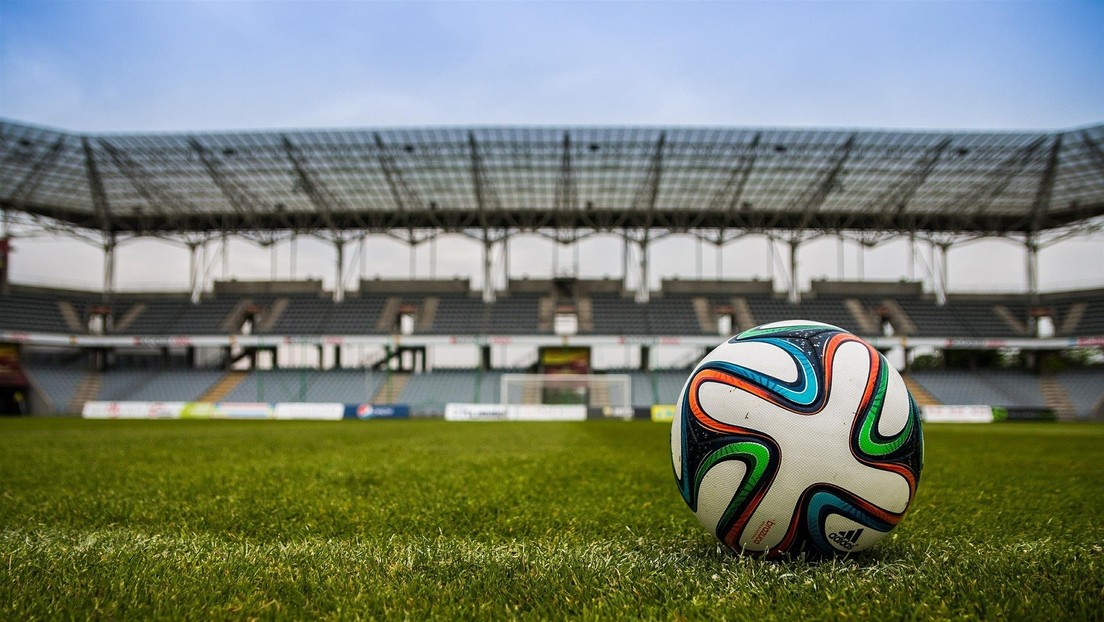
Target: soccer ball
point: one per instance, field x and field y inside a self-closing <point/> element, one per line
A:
<point x="797" y="437"/>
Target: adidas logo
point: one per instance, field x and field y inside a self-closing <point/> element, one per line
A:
<point x="846" y="539"/>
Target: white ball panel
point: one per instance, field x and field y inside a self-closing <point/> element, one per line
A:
<point x="718" y="487"/>
<point x="895" y="410"/>
<point x="734" y="406"/>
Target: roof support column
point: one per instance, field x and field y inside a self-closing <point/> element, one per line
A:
<point x="770" y="260"/>
<point x="625" y="262"/>
<point x="339" y="276"/>
<point x="642" y="293"/>
<point x="488" y="277"/>
<point x="795" y="292"/>
<point x="225" y="248"/>
<point x="193" y="272"/>
<point x="364" y="258"/>
<point x="912" y="256"/>
<point x="109" y="245"/>
<point x="293" y="259"/>
<point x="506" y="258"/>
<point x="1032" y="246"/>
<point x="939" y="259"/>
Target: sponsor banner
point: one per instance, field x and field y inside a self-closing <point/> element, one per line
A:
<point x="244" y="410"/>
<point x="198" y="410"/>
<point x="332" y="411"/>
<point x="546" y="412"/>
<point x="226" y="410"/>
<point x="325" y="411"/>
<point x="132" y="410"/>
<point x="377" y="411"/>
<point x="515" y="412"/>
<point x="475" y="412"/>
<point x="957" y="414"/>
<point x="663" y="413"/>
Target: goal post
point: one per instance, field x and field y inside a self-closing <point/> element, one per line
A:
<point x="605" y="391"/>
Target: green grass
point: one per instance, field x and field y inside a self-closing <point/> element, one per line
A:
<point x="428" y="519"/>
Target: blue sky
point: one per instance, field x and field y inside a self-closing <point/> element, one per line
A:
<point x="148" y="66"/>
<point x="94" y="66"/>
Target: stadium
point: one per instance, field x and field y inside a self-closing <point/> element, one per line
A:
<point x="548" y="311"/>
<point x="226" y="516"/>
<point x="390" y="342"/>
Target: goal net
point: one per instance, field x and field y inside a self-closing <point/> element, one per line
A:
<point x="605" y="391"/>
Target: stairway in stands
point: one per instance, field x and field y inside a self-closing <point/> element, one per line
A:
<point x="599" y="396"/>
<point x="218" y="391"/>
<point x="87" y="390"/>
<point x="71" y="317"/>
<point x="919" y="393"/>
<point x="391" y="389"/>
<point x="531" y="392"/>
<point x="1056" y="398"/>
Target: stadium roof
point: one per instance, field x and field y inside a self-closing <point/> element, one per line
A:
<point x="598" y="179"/>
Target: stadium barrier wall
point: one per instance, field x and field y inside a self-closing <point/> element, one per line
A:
<point x="333" y="411"/>
<point x="984" y="414"/>
<point x="957" y="414"/>
<point x="228" y="410"/>
<point x="515" y="412"/>
<point x="286" y="411"/>
<point x="132" y="410"/>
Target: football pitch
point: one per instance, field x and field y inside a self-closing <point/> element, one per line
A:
<point x="429" y="519"/>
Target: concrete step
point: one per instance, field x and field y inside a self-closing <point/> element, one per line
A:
<point x="218" y="391"/>
<point x="1056" y="398"/>
<point x="706" y="322"/>
<point x="745" y="319"/>
<point x="391" y="389"/>
<point x="919" y="393"/>
<point x="87" y="390"/>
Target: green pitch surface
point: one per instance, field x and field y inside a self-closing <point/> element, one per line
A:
<point x="428" y="519"/>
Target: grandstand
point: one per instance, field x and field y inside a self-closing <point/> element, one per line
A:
<point x="166" y="373"/>
<point x="369" y="343"/>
